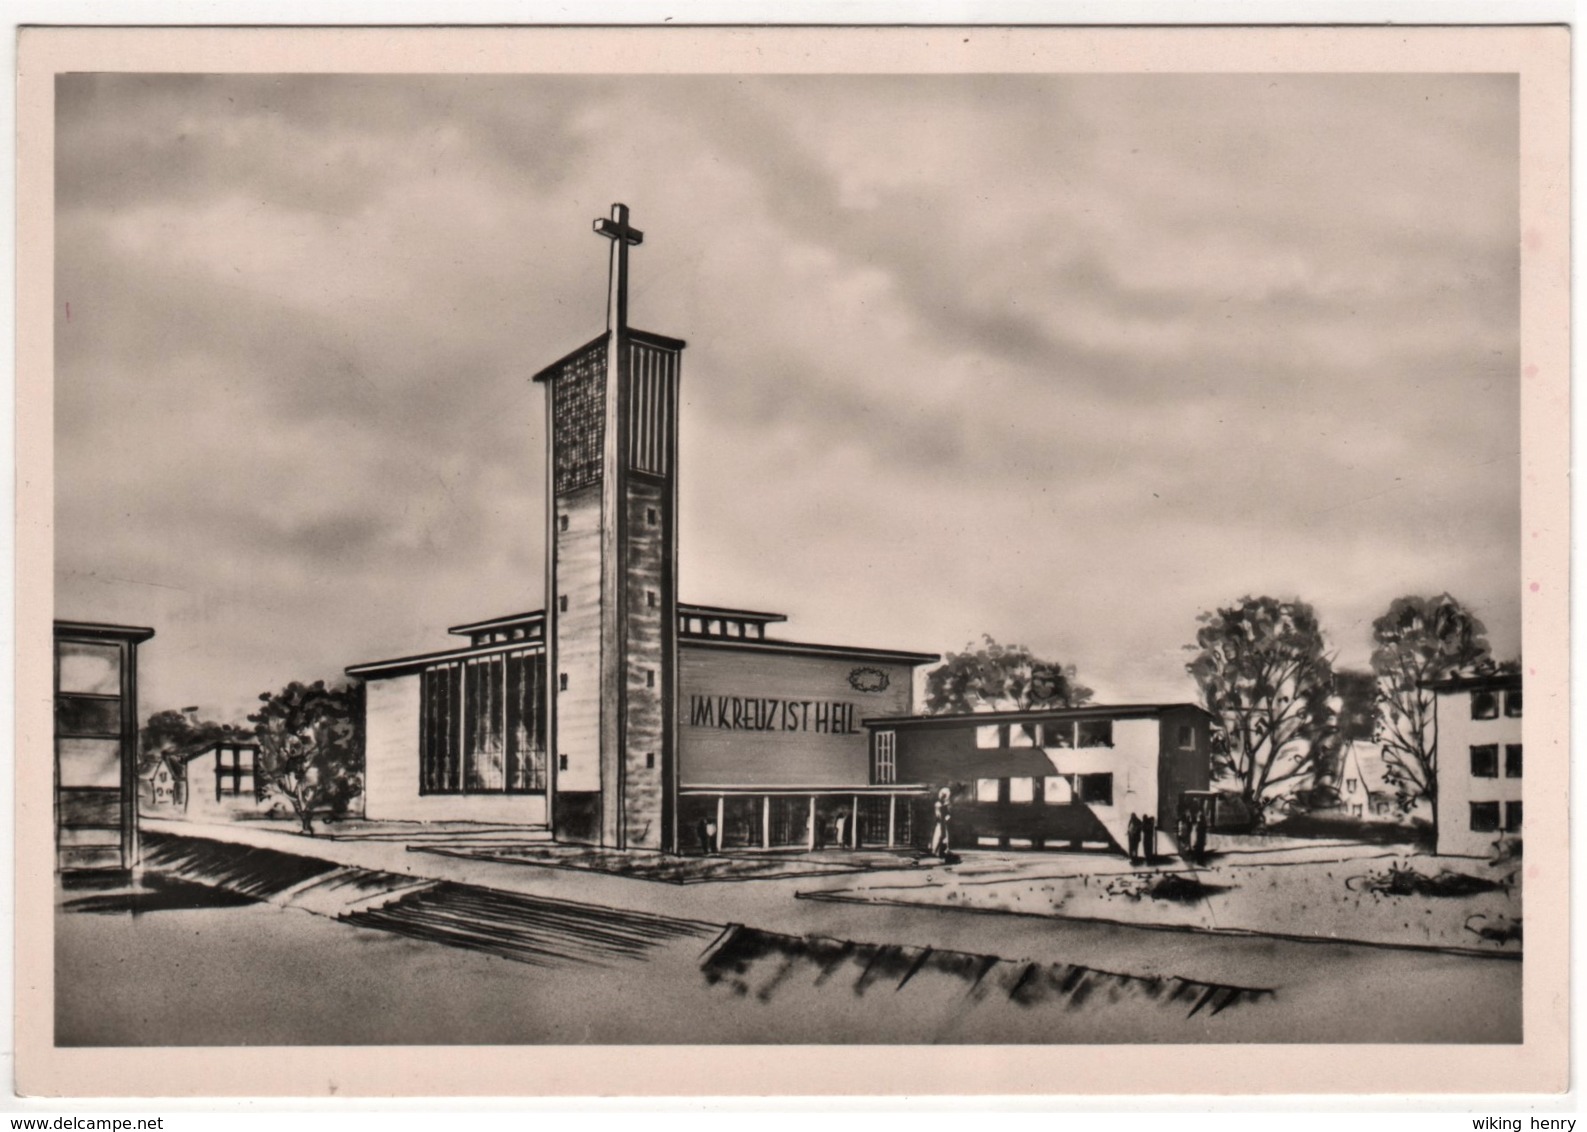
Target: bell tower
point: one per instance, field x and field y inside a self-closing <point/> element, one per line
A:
<point x="611" y="576"/>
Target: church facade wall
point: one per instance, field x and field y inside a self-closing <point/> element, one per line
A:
<point x="392" y="767"/>
<point x="751" y="717"/>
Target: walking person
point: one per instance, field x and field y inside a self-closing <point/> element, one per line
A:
<point x="1149" y="836"/>
<point x="1133" y="830"/>
<point x="1201" y="835"/>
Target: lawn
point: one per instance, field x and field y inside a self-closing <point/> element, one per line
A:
<point x="1396" y="899"/>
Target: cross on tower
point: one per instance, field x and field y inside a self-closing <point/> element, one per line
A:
<point x="621" y="234"/>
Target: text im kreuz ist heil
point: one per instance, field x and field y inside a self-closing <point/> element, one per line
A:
<point x="1514" y="1124"/>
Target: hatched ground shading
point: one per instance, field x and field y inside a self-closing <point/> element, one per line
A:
<point x="766" y="966"/>
<point x="528" y="929"/>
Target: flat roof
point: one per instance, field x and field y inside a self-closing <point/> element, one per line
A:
<point x="721" y="611"/>
<point x="805" y="648"/>
<point x="1472" y="682"/>
<point x="981" y="718"/>
<point x="499" y="622"/>
<point x="103" y="630"/>
<point x="684" y="610"/>
<point x="401" y="665"/>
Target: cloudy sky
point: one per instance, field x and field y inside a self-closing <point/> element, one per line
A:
<point x="1063" y="360"/>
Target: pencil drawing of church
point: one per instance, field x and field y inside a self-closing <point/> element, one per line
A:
<point x="652" y="789"/>
<point x="618" y="715"/>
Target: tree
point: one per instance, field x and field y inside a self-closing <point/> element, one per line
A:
<point x="180" y="733"/>
<point x="998" y="677"/>
<point x="1419" y="639"/>
<point x="1358" y="704"/>
<point x="311" y="747"/>
<point x="1266" y="680"/>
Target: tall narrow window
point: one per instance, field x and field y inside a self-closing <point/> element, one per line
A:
<point x="562" y="522"/>
<point x="885" y="760"/>
<point x="481" y="728"/>
<point x="562" y="603"/>
<point x="1512" y="760"/>
<point x="1512" y="703"/>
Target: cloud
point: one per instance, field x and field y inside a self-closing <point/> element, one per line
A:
<point x="1061" y="358"/>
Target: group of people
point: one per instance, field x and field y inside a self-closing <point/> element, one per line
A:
<point x="1190" y="831"/>
<point x="1142" y="833"/>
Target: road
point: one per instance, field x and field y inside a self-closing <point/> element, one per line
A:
<point x="190" y="966"/>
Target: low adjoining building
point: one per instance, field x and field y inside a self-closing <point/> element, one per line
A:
<point x="220" y="782"/>
<point x="1061" y="778"/>
<point x="158" y="785"/>
<point x="1479" y="762"/>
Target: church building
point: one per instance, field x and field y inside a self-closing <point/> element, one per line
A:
<point x="618" y="715"/>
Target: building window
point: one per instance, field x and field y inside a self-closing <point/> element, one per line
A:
<point x="562" y="603"/>
<point x="650" y="678"/>
<point x="989" y="736"/>
<point x="562" y="681"/>
<point x="987" y="789"/>
<point x="650" y="598"/>
<point x="1186" y="737"/>
<point x="1350" y="786"/>
<point x="1484" y="817"/>
<point x="884" y="758"/>
<point x="233" y="773"/>
<point x="1485" y="761"/>
<point x="1512" y="760"/>
<point x="481" y="726"/>
<point x="1484" y="705"/>
<point x="1512" y="703"/>
<point x="562" y="522"/>
<point x="650" y="515"/>
<point x="650" y="760"/>
<point x="1095" y="733"/>
<point x="1058" y="734"/>
<point x="1022" y="734"/>
<point x="562" y="762"/>
<point x="1022" y="790"/>
<point x="1512" y="817"/>
<point x="1094" y="789"/>
<point x="1057" y="790"/>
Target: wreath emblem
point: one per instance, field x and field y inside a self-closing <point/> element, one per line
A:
<point x="868" y="680"/>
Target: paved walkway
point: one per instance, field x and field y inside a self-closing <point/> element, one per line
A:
<point x="774" y="904"/>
